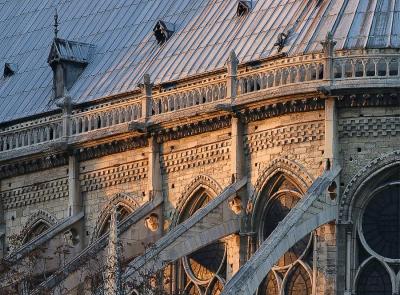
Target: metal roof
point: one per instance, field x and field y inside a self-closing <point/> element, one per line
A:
<point x="205" y="32"/>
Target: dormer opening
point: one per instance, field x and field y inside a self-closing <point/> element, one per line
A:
<point x="243" y="7"/>
<point x="9" y="70"/>
<point x="68" y="59"/>
<point x="163" y="31"/>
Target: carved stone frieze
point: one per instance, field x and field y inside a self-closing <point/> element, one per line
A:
<point x="193" y="128"/>
<point x="369" y="99"/>
<point x="35" y="193"/>
<point x="289" y="134"/>
<point x="366" y="127"/>
<point x="277" y="109"/>
<point x="198" y="156"/>
<point x="110" y="176"/>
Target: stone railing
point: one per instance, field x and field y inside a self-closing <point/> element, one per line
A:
<point x="86" y="121"/>
<point x="313" y="70"/>
<point x="366" y="66"/>
<point x="281" y="72"/>
<point x="177" y="99"/>
<point x="31" y="133"/>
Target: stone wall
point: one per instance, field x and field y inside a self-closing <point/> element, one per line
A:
<point x="24" y="195"/>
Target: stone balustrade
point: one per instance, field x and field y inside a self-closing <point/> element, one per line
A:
<point x="175" y="100"/>
<point x="282" y="72"/>
<point x="363" y="66"/>
<point x="104" y="117"/>
<point x="251" y="77"/>
<point x="30" y="133"/>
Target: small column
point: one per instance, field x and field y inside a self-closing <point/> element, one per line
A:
<point x="328" y="48"/>
<point x="231" y="82"/>
<point x="66" y="106"/>
<point x="147" y="89"/>
<point x="237" y="150"/>
<point x="154" y="186"/>
<point x="112" y="281"/>
<point x="348" y="260"/>
<point x="74" y="194"/>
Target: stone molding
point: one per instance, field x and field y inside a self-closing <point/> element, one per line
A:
<point x="363" y="177"/>
<point x="194" y="128"/>
<point x="369" y="99"/>
<point x="200" y="181"/>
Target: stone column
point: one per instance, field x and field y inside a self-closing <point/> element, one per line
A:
<point x="237" y="150"/>
<point x="331" y="151"/>
<point x="147" y="88"/>
<point x="233" y="253"/>
<point x="74" y="194"/>
<point x="328" y="47"/>
<point x="349" y="247"/>
<point x="231" y="82"/>
<point x="238" y="244"/>
<point x="66" y="106"/>
<point x="325" y="260"/>
<point x="154" y="184"/>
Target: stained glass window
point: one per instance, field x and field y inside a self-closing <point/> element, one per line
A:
<point x="278" y="208"/>
<point x="299" y="282"/>
<point x="203" y="268"/>
<point x="381" y="222"/>
<point x="374" y="280"/>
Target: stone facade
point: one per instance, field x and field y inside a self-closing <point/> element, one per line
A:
<point x="256" y="178"/>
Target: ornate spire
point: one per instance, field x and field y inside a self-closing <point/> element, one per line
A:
<point x="55" y="24"/>
<point x="112" y="277"/>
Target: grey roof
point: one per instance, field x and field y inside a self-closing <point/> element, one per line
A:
<point x="205" y="32"/>
<point x="70" y="50"/>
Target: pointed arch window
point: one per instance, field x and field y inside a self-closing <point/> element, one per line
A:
<point x="289" y="276"/>
<point x="39" y="227"/>
<point x="374" y="279"/>
<point x="203" y="271"/>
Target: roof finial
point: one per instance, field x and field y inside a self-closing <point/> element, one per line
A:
<point x="55" y="24"/>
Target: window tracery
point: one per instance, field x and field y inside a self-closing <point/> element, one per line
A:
<point x="289" y="275"/>
<point x="203" y="272"/>
<point x="378" y="241"/>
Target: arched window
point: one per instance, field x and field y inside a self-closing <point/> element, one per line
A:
<point x="125" y="205"/>
<point x="36" y="229"/>
<point x="374" y="280"/>
<point x="122" y="213"/>
<point x="280" y="195"/>
<point x="298" y="282"/>
<point x="378" y="240"/>
<point x="203" y="272"/>
<point x="381" y="223"/>
<point x="38" y="222"/>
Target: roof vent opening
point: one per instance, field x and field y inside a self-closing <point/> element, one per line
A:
<point x="243" y="7"/>
<point x="163" y="31"/>
<point x="9" y="69"/>
<point x="281" y="41"/>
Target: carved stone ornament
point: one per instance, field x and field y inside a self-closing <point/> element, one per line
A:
<point x="152" y="222"/>
<point x="236" y="205"/>
<point x="71" y="237"/>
